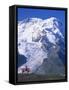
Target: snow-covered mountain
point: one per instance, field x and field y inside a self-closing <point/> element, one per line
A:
<point x="37" y="39"/>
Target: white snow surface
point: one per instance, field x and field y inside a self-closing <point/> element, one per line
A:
<point x="30" y="33"/>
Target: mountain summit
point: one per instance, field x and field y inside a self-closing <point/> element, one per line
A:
<point x="42" y="43"/>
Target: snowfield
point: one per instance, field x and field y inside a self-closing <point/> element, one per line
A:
<point x="34" y="35"/>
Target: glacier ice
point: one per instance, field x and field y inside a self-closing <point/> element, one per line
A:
<point x="30" y="35"/>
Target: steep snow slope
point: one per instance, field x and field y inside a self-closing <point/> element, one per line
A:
<point x="35" y="38"/>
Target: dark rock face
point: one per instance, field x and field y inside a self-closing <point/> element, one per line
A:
<point x="52" y="66"/>
<point x="21" y="60"/>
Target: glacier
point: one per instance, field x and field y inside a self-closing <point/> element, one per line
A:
<point x="36" y="37"/>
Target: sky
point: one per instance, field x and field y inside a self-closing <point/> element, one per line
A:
<point x="24" y="13"/>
